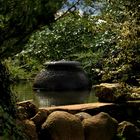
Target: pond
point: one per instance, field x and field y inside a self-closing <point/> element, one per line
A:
<point x="24" y="92"/>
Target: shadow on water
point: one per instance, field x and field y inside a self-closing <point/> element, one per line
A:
<point x="24" y="92"/>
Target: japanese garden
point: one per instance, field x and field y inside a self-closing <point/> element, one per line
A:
<point x="100" y="40"/>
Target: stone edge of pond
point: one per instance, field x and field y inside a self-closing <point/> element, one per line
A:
<point x="120" y="111"/>
<point x="77" y="107"/>
<point x="35" y="120"/>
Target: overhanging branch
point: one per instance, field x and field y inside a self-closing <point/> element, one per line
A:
<point x="69" y="10"/>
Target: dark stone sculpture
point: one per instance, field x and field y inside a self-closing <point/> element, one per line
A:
<point x="61" y="76"/>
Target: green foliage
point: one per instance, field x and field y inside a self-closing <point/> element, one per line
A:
<point x="68" y="36"/>
<point x="7" y="99"/>
<point x="9" y="128"/>
<point x="119" y="137"/>
<point x="107" y="43"/>
<point x="123" y="61"/>
<point x="22" y="68"/>
<point x="19" y="18"/>
<point x="73" y="37"/>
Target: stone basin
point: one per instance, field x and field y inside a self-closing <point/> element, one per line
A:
<point x="62" y="76"/>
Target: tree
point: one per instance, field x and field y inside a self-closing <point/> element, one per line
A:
<point x="73" y="37"/>
<point x="18" y="20"/>
<point x="123" y="60"/>
<point x="110" y="31"/>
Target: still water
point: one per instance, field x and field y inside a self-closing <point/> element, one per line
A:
<point x="24" y="92"/>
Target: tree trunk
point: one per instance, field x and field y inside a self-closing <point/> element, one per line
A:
<point x="7" y="98"/>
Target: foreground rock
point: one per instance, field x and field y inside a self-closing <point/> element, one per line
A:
<point x="28" y="129"/>
<point x="129" y="131"/>
<point x="92" y="121"/>
<point x="40" y="118"/>
<point x="83" y="115"/>
<point x="135" y="93"/>
<point x="26" y="109"/>
<point x="61" y="125"/>
<point x="100" y="127"/>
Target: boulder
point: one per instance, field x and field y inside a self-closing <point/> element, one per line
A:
<point x="22" y="113"/>
<point x="111" y="92"/>
<point x="61" y="125"/>
<point x="129" y="131"/>
<point x="40" y="117"/>
<point x="28" y="129"/>
<point x="135" y="93"/>
<point x="100" y="127"/>
<point x="26" y="110"/>
<point x="82" y="115"/>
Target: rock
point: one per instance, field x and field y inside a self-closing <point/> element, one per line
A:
<point x="111" y="92"/>
<point x="129" y="131"/>
<point x="61" y="125"/>
<point x="135" y="93"/>
<point x="83" y="115"/>
<point x="40" y="117"/>
<point x="28" y="129"/>
<point x="136" y="90"/>
<point x="26" y="109"/>
<point x="22" y="113"/>
<point x="100" y="127"/>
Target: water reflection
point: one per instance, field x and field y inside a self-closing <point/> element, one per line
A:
<point x="41" y="99"/>
<point x="61" y="98"/>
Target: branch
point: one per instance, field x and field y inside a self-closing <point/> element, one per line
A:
<point x="69" y="10"/>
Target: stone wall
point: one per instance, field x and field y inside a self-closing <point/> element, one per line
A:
<point x="93" y="121"/>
